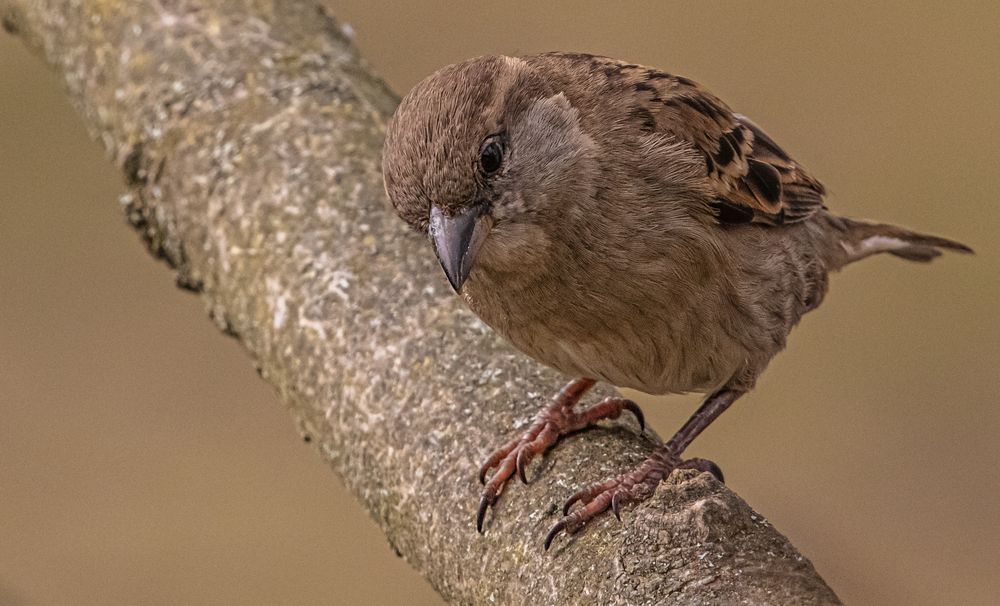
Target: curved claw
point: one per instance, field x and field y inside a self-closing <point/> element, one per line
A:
<point x="559" y="527"/>
<point x="633" y="408"/>
<point x="716" y="471"/>
<point x="616" y="505"/>
<point x="484" y="504"/>
<point x="578" y="496"/>
<point x="522" y="462"/>
<point x="703" y="465"/>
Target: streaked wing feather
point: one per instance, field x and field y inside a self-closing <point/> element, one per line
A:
<point x="744" y="166"/>
<point x="753" y="178"/>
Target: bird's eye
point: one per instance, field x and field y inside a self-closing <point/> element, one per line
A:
<point x="491" y="157"/>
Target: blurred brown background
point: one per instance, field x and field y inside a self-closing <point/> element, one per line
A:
<point x="142" y="461"/>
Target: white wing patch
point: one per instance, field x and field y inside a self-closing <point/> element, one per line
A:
<point x="874" y="244"/>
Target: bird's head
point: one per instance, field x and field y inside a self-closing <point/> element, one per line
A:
<point x="483" y="156"/>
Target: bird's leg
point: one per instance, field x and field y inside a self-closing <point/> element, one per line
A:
<point x="555" y="420"/>
<point x="640" y="483"/>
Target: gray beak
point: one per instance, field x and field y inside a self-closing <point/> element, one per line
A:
<point x="457" y="240"/>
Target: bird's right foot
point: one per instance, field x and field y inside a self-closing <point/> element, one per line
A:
<point x="631" y="487"/>
<point x="554" y="421"/>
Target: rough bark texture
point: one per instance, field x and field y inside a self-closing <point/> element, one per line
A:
<point x="249" y="132"/>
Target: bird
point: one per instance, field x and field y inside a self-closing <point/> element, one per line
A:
<point x="620" y="224"/>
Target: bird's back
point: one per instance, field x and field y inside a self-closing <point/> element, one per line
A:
<point x="749" y="177"/>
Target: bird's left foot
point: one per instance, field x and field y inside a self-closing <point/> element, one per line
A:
<point x="554" y="421"/>
<point x="632" y="487"/>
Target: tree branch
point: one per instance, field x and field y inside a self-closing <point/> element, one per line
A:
<point x="249" y="132"/>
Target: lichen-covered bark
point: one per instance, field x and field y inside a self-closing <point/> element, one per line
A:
<point x="249" y="132"/>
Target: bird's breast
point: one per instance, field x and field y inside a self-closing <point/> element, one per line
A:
<point x="653" y="341"/>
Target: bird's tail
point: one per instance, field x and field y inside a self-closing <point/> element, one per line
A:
<point x="860" y="239"/>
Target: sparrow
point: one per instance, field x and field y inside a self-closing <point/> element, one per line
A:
<point x="619" y="224"/>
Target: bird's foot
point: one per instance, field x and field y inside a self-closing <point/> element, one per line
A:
<point x="632" y="487"/>
<point x="552" y="422"/>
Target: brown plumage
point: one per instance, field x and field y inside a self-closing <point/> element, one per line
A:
<point x="620" y="224"/>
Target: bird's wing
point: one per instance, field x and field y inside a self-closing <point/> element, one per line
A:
<point x="753" y="179"/>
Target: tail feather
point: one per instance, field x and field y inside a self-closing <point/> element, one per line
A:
<point x="862" y="239"/>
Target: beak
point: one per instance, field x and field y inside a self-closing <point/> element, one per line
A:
<point x="457" y="240"/>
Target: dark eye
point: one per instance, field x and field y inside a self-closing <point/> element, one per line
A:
<point x="491" y="157"/>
